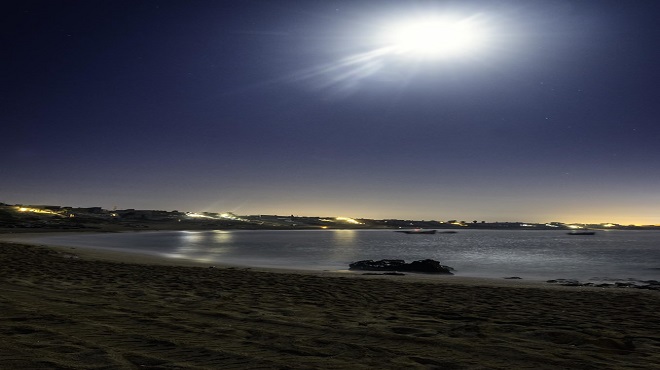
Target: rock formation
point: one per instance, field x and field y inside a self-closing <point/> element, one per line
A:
<point x="428" y="266"/>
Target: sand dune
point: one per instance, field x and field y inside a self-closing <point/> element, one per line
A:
<point x="59" y="311"/>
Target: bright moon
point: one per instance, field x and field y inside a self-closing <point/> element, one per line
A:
<point x="434" y="37"/>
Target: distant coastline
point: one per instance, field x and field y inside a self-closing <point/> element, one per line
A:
<point x="19" y="218"/>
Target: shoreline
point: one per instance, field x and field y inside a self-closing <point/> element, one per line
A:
<point x="144" y="258"/>
<point x="101" y="254"/>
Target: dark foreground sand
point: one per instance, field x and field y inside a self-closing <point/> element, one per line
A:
<point x="58" y="311"/>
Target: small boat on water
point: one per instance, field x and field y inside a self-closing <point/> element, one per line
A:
<point x="581" y="232"/>
<point x="416" y="231"/>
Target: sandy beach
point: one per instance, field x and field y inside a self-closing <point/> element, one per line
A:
<point x="69" y="309"/>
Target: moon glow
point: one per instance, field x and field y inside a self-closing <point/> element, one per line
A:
<point x="434" y="37"/>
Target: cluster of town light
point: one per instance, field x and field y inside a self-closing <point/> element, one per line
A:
<point x="198" y="215"/>
<point x="36" y="210"/>
<point x="349" y="220"/>
<point x="222" y="216"/>
<point x="231" y="216"/>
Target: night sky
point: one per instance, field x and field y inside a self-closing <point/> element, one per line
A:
<point x="293" y="107"/>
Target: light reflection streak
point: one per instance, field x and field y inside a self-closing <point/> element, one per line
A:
<point x="222" y="236"/>
<point x="202" y="246"/>
<point x="344" y="243"/>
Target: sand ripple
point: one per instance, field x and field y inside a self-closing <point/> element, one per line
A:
<point x="58" y="312"/>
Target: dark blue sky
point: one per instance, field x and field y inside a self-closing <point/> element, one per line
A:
<point x="272" y="107"/>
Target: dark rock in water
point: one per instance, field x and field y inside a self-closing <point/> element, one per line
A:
<point x="513" y="278"/>
<point x="624" y="285"/>
<point x="650" y="287"/>
<point x="629" y="284"/>
<point x="565" y="282"/>
<point x="382" y="265"/>
<point x="428" y="266"/>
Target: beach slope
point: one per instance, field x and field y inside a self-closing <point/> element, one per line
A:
<point x="61" y="311"/>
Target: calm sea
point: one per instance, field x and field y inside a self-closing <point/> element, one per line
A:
<point x="536" y="255"/>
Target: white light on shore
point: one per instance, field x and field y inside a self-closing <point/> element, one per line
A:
<point x="349" y="220"/>
<point x="36" y="210"/>
<point x="197" y="215"/>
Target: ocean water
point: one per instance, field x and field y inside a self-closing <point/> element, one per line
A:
<point x="535" y="255"/>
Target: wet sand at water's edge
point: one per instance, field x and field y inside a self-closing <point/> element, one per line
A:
<point x="66" y="309"/>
